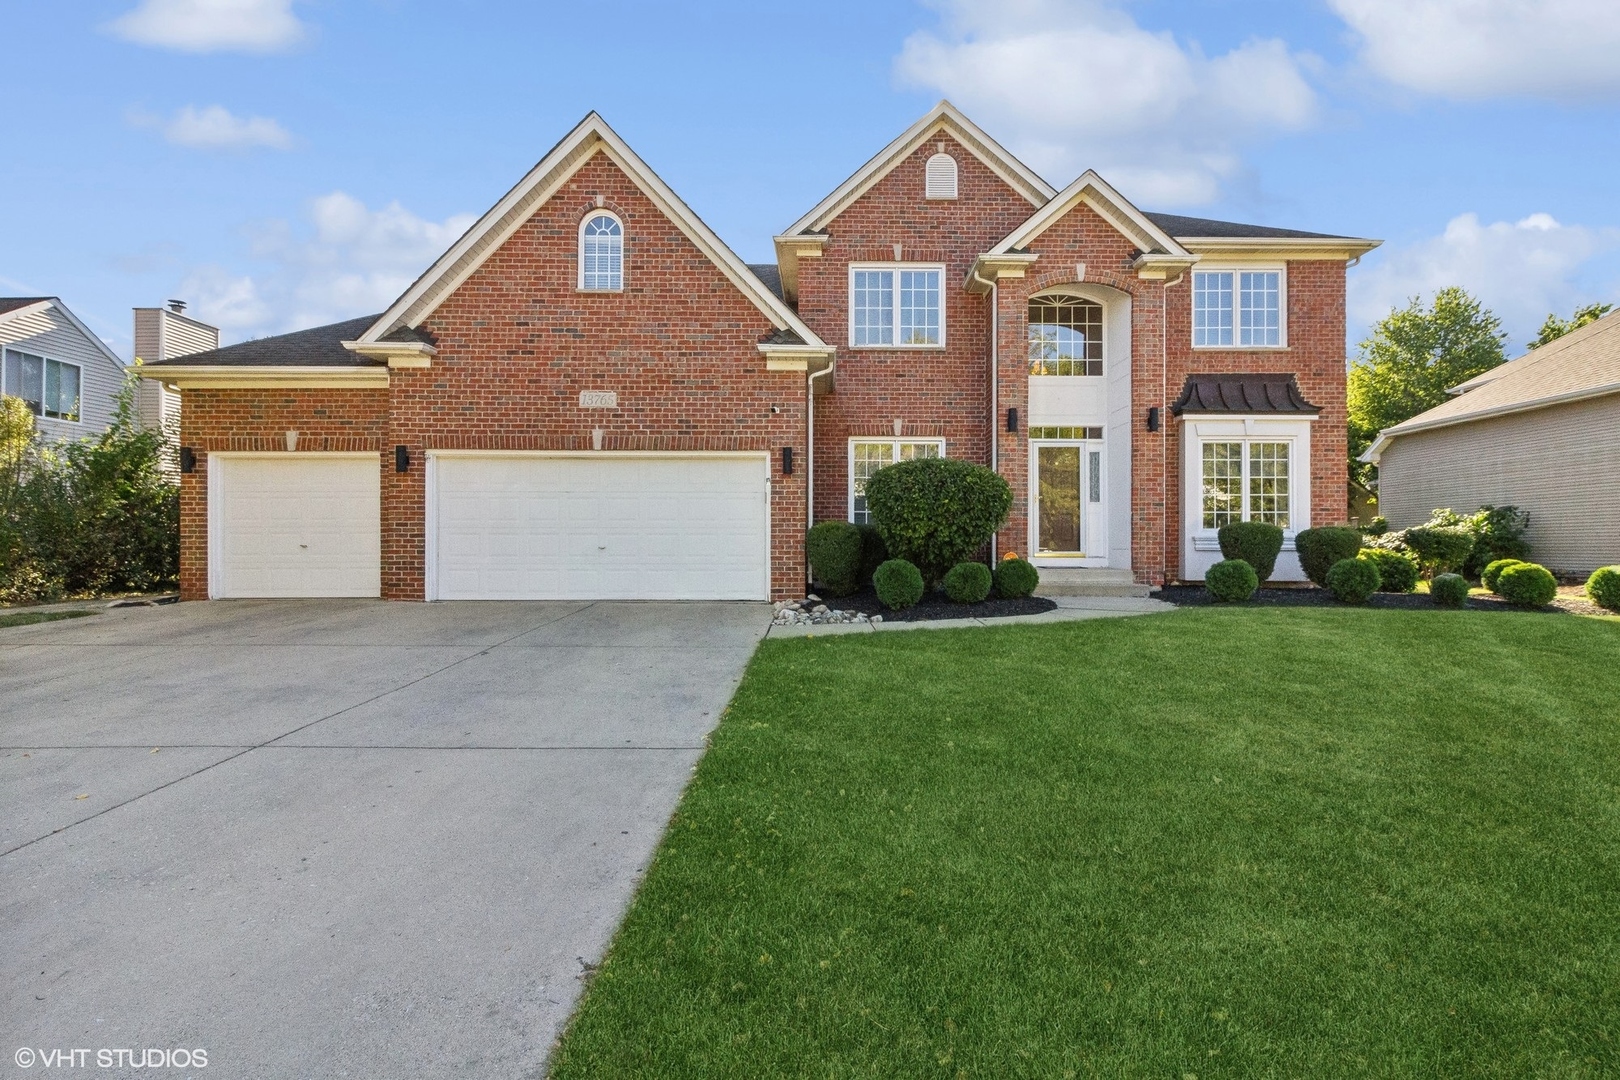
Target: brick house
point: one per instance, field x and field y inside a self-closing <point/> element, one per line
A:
<point x="591" y="396"/>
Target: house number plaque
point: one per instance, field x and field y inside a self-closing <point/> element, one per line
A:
<point x="599" y="399"/>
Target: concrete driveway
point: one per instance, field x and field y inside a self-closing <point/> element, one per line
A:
<point x="337" y="838"/>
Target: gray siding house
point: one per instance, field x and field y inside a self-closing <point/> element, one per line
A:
<point x="163" y="334"/>
<point x="1541" y="432"/>
<point x="66" y="374"/>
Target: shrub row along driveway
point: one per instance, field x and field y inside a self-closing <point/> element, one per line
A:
<point x="375" y="839"/>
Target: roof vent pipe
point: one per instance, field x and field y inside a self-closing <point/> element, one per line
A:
<point x="177" y="306"/>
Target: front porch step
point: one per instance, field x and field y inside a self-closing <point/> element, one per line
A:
<point x="1056" y="581"/>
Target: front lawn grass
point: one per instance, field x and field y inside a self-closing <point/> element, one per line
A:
<point x="1213" y="843"/>
<point x="29" y="618"/>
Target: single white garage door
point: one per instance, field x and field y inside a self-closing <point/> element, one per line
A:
<point x="600" y="527"/>
<point x="295" y="525"/>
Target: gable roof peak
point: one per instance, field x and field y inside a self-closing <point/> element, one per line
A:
<point x="1089" y="187"/>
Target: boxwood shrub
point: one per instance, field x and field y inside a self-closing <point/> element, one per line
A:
<point x="899" y="584"/>
<point x="1255" y="542"/>
<point x="937" y="512"/>
<point x="1396" y="572"/>
<point x="1231" y="580"/>
<point x="1441" y="549"/>
<point x="874" y="552"/>
<point x="968" y="582"/>
<point x="1016" y="578"/>
<point x="1603" y="587"/>
<point x="1449" y="590"/>
<point x="834" y="548"/>
<point x="1320" y="549"/>
<point x="1493" y="570"/>
<point x="1528" y="585"/>
<point x="1353" y="580"/>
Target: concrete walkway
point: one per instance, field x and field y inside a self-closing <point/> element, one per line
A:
<point x="338" y="838"/>
<point x="1069" y="609"/>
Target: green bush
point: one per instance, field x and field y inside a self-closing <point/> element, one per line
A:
<point x="1016" y="578"/>
<point x="1603" y="587"/>
<point x="937" y="512"/>
<point x="899" y="584"/>
<point x="1231" y="580"/>
<point x="1449" y="590"/>
<point x="1441" y="549"/>
<point x="1397" y="573"/>
<point x="1527" y="585"/>
<point x="1255" y="542"/>
<point x="1320" y="549"/>
<point x="968" y="582"/>
<point x="1493" y="570"/>
<point x="834" y="548"/>
<point x="874" y="552"/>
<point x="1353" y="580"/>
<point x="1378" y="526"/>
<point x="1498" y="534"/>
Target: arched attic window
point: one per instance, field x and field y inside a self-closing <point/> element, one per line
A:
<point x="1065" y="336"/>
<point x="939" y="177"/>
<point x="601" y="252"/>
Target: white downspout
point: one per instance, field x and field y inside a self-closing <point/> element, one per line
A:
<point x="995" y="406"/>
<point x="1164" y="422"/>
<point x="810" y="454"/>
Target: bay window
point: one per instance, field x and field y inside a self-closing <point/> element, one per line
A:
<point x="1247" y="480"/>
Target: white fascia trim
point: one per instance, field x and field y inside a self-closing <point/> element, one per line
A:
<point x="783" y="357"/>
<point x="592" y="135"/>
<point x="397" y="354"/>
<point x="995" y="157"/>
<point x="1389" y="435"/>
<point x="85" y="331"/>
<point x="1114" y="208"/>
<point x="1347" y="249"/>
<point x="233" y="377"/>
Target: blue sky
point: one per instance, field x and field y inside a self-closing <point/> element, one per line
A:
<point x="282" y="163"/>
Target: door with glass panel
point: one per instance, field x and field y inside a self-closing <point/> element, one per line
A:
<point x="1067" y="481"/>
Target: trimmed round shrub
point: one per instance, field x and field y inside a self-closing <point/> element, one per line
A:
<point x="1493" y="570"/>
<point x="1353" y="580"/>
<point x="1255" y="542"/>
<point x="1231" y="580"/>
<point x="1449" y="590"/>
<point x="1527" y="585"/>
<point x="1603" y="587"/>
<point x="1016" y="578"/>
<point x="874" y="552"/>
<point x="834" y="548"/>
<point x="968" y="582"/>
<point x="1441" y="549"/>
<point x="937" y="512"/>
<point x="1396" y="572"/>
<point x="1321" y="549"/>
<point x="899" y="584"/>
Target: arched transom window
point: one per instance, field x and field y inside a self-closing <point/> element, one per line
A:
<point x="601" y="253"/>
<point x="1065" y="336"/>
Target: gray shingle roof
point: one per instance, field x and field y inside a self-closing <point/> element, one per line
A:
<point x="12" y="303"/>
<point x="321" y="346"/>
<point x="1246" y="393"/>
<point x="771" y="275"/>
<point x="1179" y="227"/>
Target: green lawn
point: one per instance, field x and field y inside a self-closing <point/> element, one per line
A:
<point x="1213" y="843"/>
<point x="29" y="618"/>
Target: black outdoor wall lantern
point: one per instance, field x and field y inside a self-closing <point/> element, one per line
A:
<point x="188" y="459"/>
<point x="1012" y="419"/>
<point x="787" y="461"/>
<point x="402" y="458"/>
<point x="1153" y="418"/>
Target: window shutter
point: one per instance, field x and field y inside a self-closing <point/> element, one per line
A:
<point x="940" y="182"/>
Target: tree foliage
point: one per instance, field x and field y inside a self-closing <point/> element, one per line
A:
<point x="1555" y="328"/>
<point x="1414" y="355"/>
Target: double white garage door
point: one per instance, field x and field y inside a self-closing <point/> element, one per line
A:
<point x="499" y="526"/>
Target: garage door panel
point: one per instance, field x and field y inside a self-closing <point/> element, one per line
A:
<point x="298" y="526"/>
<point x="601" y="528"/>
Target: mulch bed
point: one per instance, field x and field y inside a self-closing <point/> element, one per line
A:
<point x="937" y="605"/>
<point x="1570" y="601"/>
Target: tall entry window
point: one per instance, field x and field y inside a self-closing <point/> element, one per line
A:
<point x="1065" y="336"/>
<point x="867" y="456"/>
<point x="1247" y="480"/>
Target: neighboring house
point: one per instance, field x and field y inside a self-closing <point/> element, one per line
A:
<point x="163" y="334"/>
<point x="590" y="396"/>
<point x="1541" y="432"/>
<point x="67" y="375"/>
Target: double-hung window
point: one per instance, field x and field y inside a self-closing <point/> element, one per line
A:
<point x="896" y="306"/>
<point x="867" y="456"/>
<point x="1247" y="480"/>
<point x="50" y="388"/>
<point x="1238" y="309"/>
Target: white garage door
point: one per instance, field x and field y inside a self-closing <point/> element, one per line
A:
<point x="600" y="527"/>
<point x="295" y="525"/>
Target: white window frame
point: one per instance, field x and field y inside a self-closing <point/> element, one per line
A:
<point x="894" y="446"/>
<point x="1244" y="494"/>
<point x="580" y="250"/>
<point x="896" y="268"/>
<point x="1236" y="270"/>
<point x="45" y="361"/>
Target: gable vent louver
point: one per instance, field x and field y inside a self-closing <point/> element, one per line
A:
<point x="940" y="177"/>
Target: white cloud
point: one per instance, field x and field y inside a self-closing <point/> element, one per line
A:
<point x="201" y="26"/>
<point x="1476" y="49"/>
<point x="346" y="260"/>
<point x="1076" y="84"/>
<point x="1520" y="270"/>
<point x="217" y="128"/>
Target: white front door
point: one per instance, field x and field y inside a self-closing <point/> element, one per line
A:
<point x="287" y="525"/>
<point x="1068" y="522"/>
<point x="607" y="526"/>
